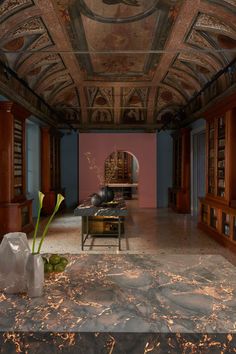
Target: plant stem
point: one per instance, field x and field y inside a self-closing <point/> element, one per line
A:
<point x="36" y="229"/>
<point x="45" y="231"/>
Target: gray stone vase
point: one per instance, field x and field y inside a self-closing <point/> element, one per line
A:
<point x="35" y="275"/>
<point x="14" y="252"/>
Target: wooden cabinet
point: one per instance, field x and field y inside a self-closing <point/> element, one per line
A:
<point x="217" y="213"/>
<point x="50" y="168"/>
<point x="118" y="168"/>
<point x="219" y="221"/>
<point x="221" y="147"/>
<point x="179" y="194"/>
<point x="15" y="209"/>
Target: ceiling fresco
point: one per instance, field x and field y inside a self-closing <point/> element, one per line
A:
<point x="114" y="64"/>
<point x="94" y="26"/>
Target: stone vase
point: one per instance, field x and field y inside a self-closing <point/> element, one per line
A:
<point x="14" y="252"/>
<point x="35" y="275"/>
<point x="96" y="200"/>
<point x="106" y="194"/>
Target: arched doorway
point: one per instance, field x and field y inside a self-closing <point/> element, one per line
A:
<point x="121" y="172"/>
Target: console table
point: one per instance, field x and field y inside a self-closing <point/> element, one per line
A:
<point x="116" y="211"/>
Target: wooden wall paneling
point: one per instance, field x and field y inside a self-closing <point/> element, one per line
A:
<point x="179" y="194"/>
<point x="50" y="168"/>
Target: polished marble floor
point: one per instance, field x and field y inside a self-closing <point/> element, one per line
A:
<point x="147" y="231"/>
<point x="126" y="304"/>
<point x="171" y="289"/>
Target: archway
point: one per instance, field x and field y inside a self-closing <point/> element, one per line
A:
<point x="121" y="173"/>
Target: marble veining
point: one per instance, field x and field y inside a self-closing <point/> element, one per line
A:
<point x="86" y="209"/>
<point x="130" y="293"/>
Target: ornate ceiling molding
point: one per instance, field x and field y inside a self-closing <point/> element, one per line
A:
<point x="188" y="82"/>
<point x="197" y="39"/>
<point x="61" y="87"/>
<point x="225" y="4"/>
<point x="210" y="23"/>
<point x="37" y="60"/>
<point x="208" y="63"/>
<point x="28" y="27"/>
<point x="8" y="7"/>
<point x="52" y="80"/>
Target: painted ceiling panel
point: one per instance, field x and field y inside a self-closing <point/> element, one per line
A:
<point x="127" y="36"/>
<point x="117" y="27"/>
<point x="117" y="63"/>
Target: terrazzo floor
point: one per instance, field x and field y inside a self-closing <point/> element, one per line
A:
<point x="147" y="231"/>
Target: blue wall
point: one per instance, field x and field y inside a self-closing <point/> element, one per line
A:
<point x="200" y="123"/>
<point x="69" y="167"/>
<point x="164" y="167"/>
<point x="33" y="163"/>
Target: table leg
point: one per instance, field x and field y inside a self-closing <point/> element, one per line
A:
<point x="119" y="233"/>
<point x="82" y="233"/>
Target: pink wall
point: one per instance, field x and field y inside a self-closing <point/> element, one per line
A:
<point x="101" y="145"/>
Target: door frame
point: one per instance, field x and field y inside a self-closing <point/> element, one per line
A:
<point x="193" y="133"/>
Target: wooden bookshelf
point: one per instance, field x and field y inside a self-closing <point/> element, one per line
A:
<point x="15" y="209"/>
<point x="118" y="168"/>
<point x="219" y="221"/>
<point x="179" y="194"/>
<point x="217" y="211"/>
<point x="221" y="148"/>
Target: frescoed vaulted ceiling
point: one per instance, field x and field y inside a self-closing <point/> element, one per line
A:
<point x="117" y="64"/>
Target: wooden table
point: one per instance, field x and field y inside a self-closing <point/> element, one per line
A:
<point x="117" y="210"/>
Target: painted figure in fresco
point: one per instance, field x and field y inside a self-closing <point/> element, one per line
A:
<point x="126" y="2"/>
<point x="101" y="116"/>
<point x="133" y="115"/>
